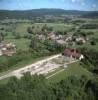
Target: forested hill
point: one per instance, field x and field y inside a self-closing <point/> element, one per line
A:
<point x="92" y="14"/>
<point x="38" y="12"/>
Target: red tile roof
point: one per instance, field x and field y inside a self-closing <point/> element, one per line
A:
<point x="72" y="53"/>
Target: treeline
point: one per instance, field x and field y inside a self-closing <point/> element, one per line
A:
<point x="92" y="14"/>
<point x="38" y="88"/>
<point x="91" y="59"/>
<point x="29" y="14"/>
<point x="89" y="26"/>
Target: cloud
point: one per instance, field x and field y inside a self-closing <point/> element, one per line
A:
<point x="94" y="7"/>
<point x="81" y="2"/>
<point x="73" y="1"/>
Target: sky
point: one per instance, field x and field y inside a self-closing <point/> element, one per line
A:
<point x="88" y="5"/>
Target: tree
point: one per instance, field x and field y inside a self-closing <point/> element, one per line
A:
<point x="38" y="88"/>
<point x="50" y="29"/>
<point x="33" y="27"/>
<point x="44" y="28"/>
<point x="93" y="43"/>
<point x="28" y="36"/>
<point x="33" y="43"/>
<point x="1" y="36"/>
<point x="17" y="36"/>
<point x="29" y="30"/>
<point x="90" y="33"/>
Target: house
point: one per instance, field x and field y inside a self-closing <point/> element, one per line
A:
<point x="80" y="39"/>
<point x="69" y="38"/>
<point x="7" y="49"/>
<point x="59" y="37"/>
<point x="62" y="42"/>
<point x="73" y="54"/>
<point x="8" y="52"/>
<point x="52" y="35"/>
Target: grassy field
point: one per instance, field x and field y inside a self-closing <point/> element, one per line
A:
<point x="73" y="70"/>
<point x="56" y="27"/>
<point x="21" y="44"/>
<point x="4" y="81"/>
<point x="21" y="28"/>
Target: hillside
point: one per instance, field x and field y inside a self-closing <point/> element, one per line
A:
<point x="93" y="14"/>
<point x="18" y="14"/>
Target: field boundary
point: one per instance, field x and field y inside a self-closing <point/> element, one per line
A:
<point x="55" y="73"/>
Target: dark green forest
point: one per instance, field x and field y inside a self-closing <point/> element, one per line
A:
<point x="38" y="88"/>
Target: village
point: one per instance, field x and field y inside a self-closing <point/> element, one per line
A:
<point x="48" y="65"/>
<point x="48" y="50"/>
<point x="51" y="64"/>
<point x="65" y="39"/>
<point x="67" y="56"/>
<point x="9" y="49"/>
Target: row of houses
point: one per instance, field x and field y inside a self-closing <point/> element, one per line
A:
<point x="65" y="39"/>
<point x="7" y="49"/>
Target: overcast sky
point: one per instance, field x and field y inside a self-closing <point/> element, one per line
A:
<point x="63" y="4"/>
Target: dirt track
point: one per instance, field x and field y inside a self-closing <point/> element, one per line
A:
<point x="36" y="68"/>
<point x="17" y="72"/>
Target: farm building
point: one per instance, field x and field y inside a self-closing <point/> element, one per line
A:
<point x="73" y="54"/>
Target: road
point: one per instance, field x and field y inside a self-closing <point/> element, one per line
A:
<point x="35" y="68"/>
<point x="16" y="72"/>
